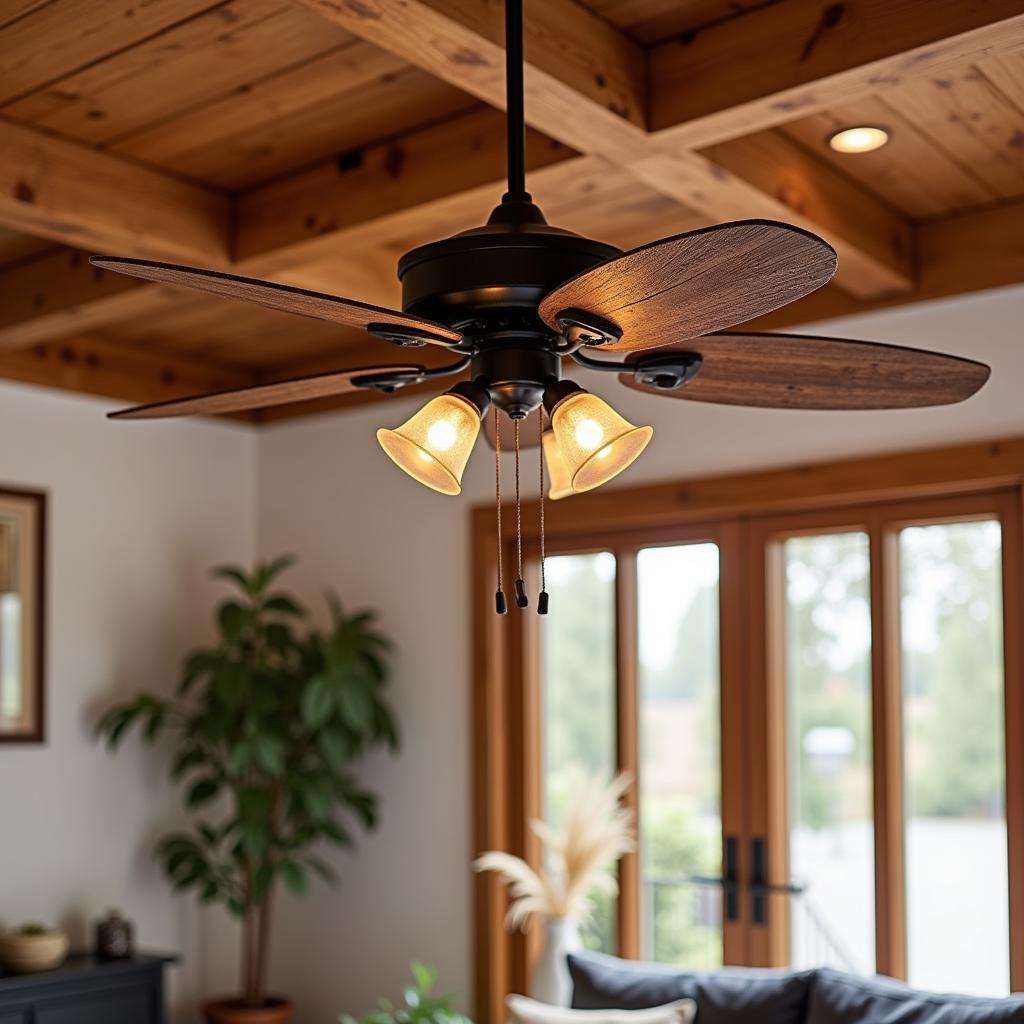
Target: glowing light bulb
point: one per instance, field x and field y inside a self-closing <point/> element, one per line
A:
<point x="441" y="435"/>
<point x="589" y="433"/>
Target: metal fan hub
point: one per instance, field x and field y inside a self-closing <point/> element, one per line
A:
<point x="468" y="281"/>
<point x="517" y="367"/>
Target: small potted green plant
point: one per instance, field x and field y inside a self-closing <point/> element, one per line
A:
<point x="268" y="726"/>
<point x="419" y="1005"/>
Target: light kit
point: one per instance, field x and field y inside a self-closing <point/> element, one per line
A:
<point x="516" y="298"/>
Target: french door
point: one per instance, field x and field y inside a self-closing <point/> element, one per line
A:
<point x="883" y="780"/>
<point x="822" y="713"/>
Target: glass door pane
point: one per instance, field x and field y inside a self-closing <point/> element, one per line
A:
<point x="578" y="695"/>
<point x="827" y="657"/>
<point x="679" y="754"/>
<point x="954" y="777"/>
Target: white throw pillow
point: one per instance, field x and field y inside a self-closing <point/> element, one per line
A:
<point x="528" y="1011"/>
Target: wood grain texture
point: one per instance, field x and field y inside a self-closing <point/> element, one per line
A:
<point x="780" y="371"/>
<point x="692" y="284"/>
<point x="258" y="396"/>
<point x="915" y="172"/>
<point x="585" y="81"/>
<point x="93" y="365"/>
<point x="225" y="48"/>
<point x="803" y="56"/>
<point x="654" y="21"/>
<point x="280" y="297"/>
<point x="70" y="193"/>
<point x="56" y="39"/>
<point x="874" y="243"/>
<point x="57" y="293"/>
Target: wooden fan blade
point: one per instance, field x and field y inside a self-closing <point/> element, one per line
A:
<point x="278" y="296"/>
<point x="696" y="283"/>
<point x="789" y="371"/>
<point x="259" y="396"/>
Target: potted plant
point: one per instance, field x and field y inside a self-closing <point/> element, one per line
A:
<point x="419" y="1005"/>
<point x="268" y="724"/>
<point x="579" y="861"/>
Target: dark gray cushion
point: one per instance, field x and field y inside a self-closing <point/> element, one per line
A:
<point x="734" y="995"/>
<point x="842" y="999"/>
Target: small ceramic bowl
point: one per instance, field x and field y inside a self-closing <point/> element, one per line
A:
<point x="26" y="954"/>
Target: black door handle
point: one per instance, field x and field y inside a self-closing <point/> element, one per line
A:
<point x="760" y="888"/>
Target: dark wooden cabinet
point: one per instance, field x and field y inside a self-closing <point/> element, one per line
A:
<point x="83" y="991"/>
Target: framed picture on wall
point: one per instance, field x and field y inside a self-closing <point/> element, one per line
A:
<point x="22" y="615"/>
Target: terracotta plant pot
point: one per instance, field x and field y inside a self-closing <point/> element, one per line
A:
<point x="234" y="1011"/>
<point x="27" y="953"/>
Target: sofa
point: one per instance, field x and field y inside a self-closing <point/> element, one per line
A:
<point x="747" y="996"/>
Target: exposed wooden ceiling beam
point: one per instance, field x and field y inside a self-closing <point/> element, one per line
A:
<point x="577" y="68"/>
<point x="57" y="294"/>
<point x="457" y="165"/>
<point x="788" y="60"/>
<point x="585" y="84"/>
<point x="772" y="177"/>
<point x="97" y="367"/>
<point x="70" y="193"/>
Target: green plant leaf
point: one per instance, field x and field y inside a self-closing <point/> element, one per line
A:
<point x="232" y="618"/>
<point x="278" y="636"/>
<point x="317" y="701"/>
<point x="354" y="706"/>
<point x="262" y="881"/>
<point x="316" y="799"/>
<point x="334" y="748"/>
<point x="267" y="572"/>
<point x="336" y="833"/>
<point x="254" y="805"/>
<point x="424" y="976"/>
<point x="323" y="869"/>
<point x="233" y="574"/>
<point x="284" y="604"/>
<point x="294" y="876"/>
<point x="270" y="753"/>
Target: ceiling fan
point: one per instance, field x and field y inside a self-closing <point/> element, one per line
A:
<point x="516" y="297"/>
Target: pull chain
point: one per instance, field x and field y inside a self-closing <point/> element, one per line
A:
<point x="500" y="604"/>
<point x="522" y="601"/>
<point x="542" y="599"/>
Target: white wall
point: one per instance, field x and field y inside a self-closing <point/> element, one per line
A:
<point x="361" y="526"/>
<point x="137" y="513"/>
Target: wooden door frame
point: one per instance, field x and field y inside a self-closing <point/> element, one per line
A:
<point x="596" y="520"/>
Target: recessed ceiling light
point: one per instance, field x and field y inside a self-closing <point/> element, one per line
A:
<point x="860" y="139"/>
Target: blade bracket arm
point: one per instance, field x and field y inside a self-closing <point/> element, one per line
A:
<point x="391" y="382"/>
<point x="407" y="336"/>
<point x="665" y="372"/>
<point x="581" y="327"/>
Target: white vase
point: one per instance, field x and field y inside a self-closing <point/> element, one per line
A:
<point x="551" y="982"/>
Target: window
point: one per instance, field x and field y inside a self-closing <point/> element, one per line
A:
<point x="819" y="705"/>
<point x="680" y="819"/>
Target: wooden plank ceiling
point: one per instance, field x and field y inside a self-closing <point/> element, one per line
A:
<point x="313" y="141"/>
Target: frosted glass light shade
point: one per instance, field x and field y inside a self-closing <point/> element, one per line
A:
<point x="433" y="445"/>
<point x="595" y="441"/>
<point x="558" y="471"/>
